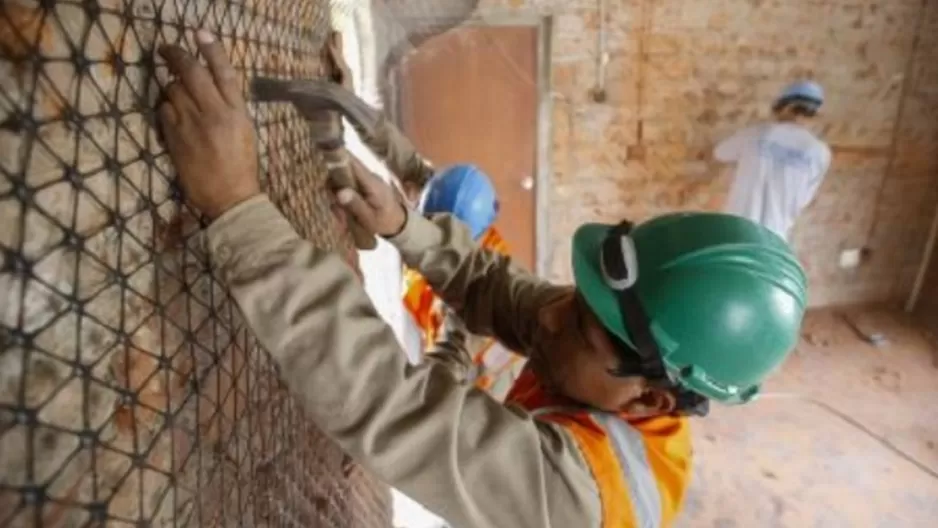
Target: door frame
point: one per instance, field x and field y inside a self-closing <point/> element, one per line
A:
<point x="543" y="248"/>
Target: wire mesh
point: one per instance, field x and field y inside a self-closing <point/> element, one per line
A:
<point x="131" y="392"/>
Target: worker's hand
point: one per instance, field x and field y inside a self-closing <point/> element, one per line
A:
<point x="412" y="191"/>
<point x="208" y="133"/>
<point x="375" y="205"/>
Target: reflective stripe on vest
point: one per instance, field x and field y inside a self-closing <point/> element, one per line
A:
<point x="629" y="447"/>
<point x="493" y="366"/>
<point x="494" y="356"/>
<point x="641" y="468"/>
<point x="423" y="304"/>
<point x="642" y="484"/>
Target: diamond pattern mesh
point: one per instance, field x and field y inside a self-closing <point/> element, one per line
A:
<point x="131" y="392"/>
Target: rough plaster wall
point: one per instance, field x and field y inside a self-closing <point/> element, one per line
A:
<point x="684" y="73"/>
<point x="130" y="390"/>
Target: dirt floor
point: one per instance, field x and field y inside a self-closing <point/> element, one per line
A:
<point x="785" y="462"/>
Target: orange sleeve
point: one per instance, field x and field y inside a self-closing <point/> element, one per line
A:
<point x="419" y="302"/>
<point x="492" y="240"/>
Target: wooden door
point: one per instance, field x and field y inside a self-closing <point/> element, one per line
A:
<point x="470" y="96"/>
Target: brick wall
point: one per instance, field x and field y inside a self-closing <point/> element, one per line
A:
<point x="131" y="391"/>
<point x="684" y="74"/>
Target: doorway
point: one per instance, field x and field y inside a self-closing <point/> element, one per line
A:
<point x="475" y="95"/>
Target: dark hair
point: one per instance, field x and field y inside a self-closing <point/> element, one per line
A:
<point x="800" y="106"/>
<point x="630" y="364"/>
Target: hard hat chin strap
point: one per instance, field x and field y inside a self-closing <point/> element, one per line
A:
<point x="619" y="264"/>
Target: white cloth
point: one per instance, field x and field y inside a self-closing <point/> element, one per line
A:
<point x="779" y="167"/>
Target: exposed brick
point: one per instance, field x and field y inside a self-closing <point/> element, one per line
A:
<point x="685" y="74"/>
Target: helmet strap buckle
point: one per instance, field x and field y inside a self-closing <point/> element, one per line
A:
<point x="620" y="269"/>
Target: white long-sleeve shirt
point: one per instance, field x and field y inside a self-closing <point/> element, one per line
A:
<point x="779" y="167"/>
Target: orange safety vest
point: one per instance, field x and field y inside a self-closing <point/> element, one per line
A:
<point x="641" y="467"/>
<point x="423" y="306"/>
<point x="426" y="309"/>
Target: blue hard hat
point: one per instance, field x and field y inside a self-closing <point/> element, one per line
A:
<point x="808" y="91"/>
<point x="465" y="192"/>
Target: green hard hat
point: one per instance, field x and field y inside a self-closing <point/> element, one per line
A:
<point x="723" y="296"/>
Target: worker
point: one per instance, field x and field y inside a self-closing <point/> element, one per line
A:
<point x="664" y="316"/>
<point x="468" y="194"/>
<point x="779" y="165"/>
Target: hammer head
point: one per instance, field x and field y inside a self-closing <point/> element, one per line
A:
<point x="315" y="101"/>
<point x="308" y="95"/>
<point x="305" y="95"/>
<point x="312" y="97"/>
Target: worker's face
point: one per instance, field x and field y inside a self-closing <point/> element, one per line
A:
<point x="573" y="356"/>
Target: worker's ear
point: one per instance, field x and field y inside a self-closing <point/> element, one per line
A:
<point x="653" y="402"/>
<point x="556" y="314"/>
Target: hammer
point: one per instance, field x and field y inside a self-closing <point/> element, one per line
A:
<point x="327" y="130"/>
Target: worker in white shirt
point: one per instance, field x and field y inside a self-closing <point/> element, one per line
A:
<point x="780" y="164"/>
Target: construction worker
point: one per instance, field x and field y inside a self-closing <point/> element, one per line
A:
<point x="664" y="316"/>
<point x="779" y="165"/>
<point x="468" y="194"/>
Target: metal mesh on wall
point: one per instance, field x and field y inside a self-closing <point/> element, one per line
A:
<point x="131" y="392"/>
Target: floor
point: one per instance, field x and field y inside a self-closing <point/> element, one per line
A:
<point x="786" y="462"/>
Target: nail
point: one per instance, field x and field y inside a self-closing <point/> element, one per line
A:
<point x="204" y="36"/>
<point x="345" y="196"/>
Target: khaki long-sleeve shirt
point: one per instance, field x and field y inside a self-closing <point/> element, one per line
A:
<point x="467" y="457"/>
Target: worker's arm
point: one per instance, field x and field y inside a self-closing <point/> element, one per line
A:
<point x="491" y="294"/>
<point x="448" y="446"/>
<point x="450" y="347"/>
<point x="821" y="164"/>
<point x="730" y="149"/>
<point x="442" y="442"/>
<point x="388" y="143"/>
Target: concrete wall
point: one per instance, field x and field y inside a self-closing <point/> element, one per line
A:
<point x="683" y="74"/>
